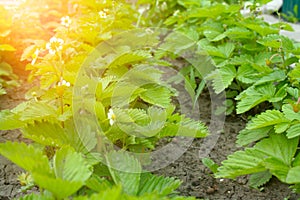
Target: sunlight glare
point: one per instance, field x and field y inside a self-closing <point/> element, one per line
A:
<point x="11" y="3"/>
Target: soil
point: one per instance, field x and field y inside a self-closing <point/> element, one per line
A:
<point x="9" y="185"/>
<point x="197" y="180"/>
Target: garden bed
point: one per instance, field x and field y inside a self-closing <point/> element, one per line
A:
<point x="110" y="93"/>
<point x="197" y="179"/>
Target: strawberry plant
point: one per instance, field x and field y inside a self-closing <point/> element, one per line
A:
<point x="123" y="90"/>
<point x="275" y="152"/>
<point x="71" y="174"/>
<point x="258" y="70"/>
<point x="7" y="77"/>
<point x="243" y="49"/>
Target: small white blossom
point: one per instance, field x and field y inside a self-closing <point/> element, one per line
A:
<point x="111" y="116"/>
<point x="176" y="13"/>
<point x="64" y="83"/>
<point x="35" y="56"/>
<point x="164" y="6"/>
<point x="54" y="45"/>
<point x="66" y="21"/>
<point x="102" y="14"/>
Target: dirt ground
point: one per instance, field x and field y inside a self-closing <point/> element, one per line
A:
<point x="197" y="179"/>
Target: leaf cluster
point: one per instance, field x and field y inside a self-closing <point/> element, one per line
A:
<point x="258" y="69"/>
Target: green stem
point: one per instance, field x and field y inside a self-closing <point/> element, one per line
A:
<point x="61" y="85"/>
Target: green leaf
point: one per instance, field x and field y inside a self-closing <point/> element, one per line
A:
<point x="268" y="118"/>
<point x="240" y="163"/>
<point x="227" y="49"/>
<point x="82" y="137"/>
<point x="179" y="125"/>
<point x="157" y="184"/>
<point x="262" y="29"/>
<point x="293" y="131"/>
<point x="259" y="179"/>
<point x="213" y="11"/>
<point x="277" y="41"/>
<point x="5" y="69"/>
<point x="279" y="95"/>
<point x="296" y="188"/>
<point x="157" y="117"/>
<point x="289" y="113"/>
<point x="294" y="92"/>
<point x="125" y="170"/>
<point x="6" y="47"/>
<point x="33" y="196"/>
<point x="71" y="172"/>
<point x="253" y="96"/>
<point x="222" y="77"/>
<point x="28" y="52"/>
<point x="58" y="187"/>
<point x="9" y="121"/>
<point x="98" y="184"/>
<point x="213" y="35"/>
<point x="247" y="136"/>
<point x="239" y="33"/>
<point x="210" y="164"/>
<point x="114" y="193"/>
<point x="293" y="175"/>
<point x="275" y="76"/>
<point x="31" y="111"/>
<point x="277" y="168"/>
<point x="296" y="161"/>
<point x="2" y="92"/>
<point x="156" y="95"/>
<point x="25" y="156"/>
<point x="247" y="74"/>
<point x="70" y="166"/>
<point x="129" y="57"/>
<point x="46" y="133"/>
<point x="294" y="74"/>
<point x="138" y="115"/>
<point x="278" y="146"/>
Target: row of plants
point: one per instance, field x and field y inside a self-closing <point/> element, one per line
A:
<point x="255" y="66"/>
<point x="87" y="142"/>
<point x="259" y="70"/>
<point x="7" y="77"/>
<point x="42" y="18"/>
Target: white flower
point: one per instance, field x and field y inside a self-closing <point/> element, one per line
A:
<point x="103" y="14"/>
<point x="66" y="21"/>
<point x="35" y="56"/>
<point x="176" y="13"/>
<point x="111" y="116"/>
<point x="164" y="6"/>
<point x="54" y="45"/>
<point x="64" y="83"/>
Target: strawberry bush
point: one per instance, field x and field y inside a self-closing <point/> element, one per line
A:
<point x="7" y="76"/>
<point x="102" y="103"/>
<point x="69" y="158"/>
<point x="258" y="69"/>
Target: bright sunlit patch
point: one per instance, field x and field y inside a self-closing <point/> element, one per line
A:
<point x="11" y="3"/>
<point x="35" y="56"/>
